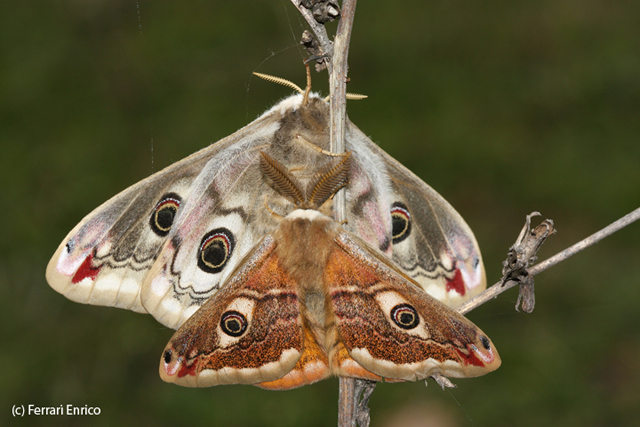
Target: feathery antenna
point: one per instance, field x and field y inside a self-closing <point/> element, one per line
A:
<point x="331" y="177"/>
<point x="280" y="81"/>
<point x="307" y="89"/>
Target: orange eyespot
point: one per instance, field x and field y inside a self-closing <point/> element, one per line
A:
<point x="164" y="213"/>
<point x="400" y="222"/>
<point x="215" y="249"/>
<point x="405" y="316"/>
<point x="233" y="323"/>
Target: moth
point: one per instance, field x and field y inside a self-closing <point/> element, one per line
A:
<point x="237" y="247"/>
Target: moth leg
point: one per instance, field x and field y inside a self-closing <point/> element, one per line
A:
<point x="307" y="90"/>
<point x="315" y="147"/>
<point x="442" y="381"/>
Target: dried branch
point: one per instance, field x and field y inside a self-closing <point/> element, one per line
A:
<point x="364" y="390"/>
<point x="499" y="287"/>
<point x="594" y="238"/>
<point x="521" y="256"/>
<point x="348" y="406"/>
<point x="336" y="62"/>
<point x="338" y="91"/>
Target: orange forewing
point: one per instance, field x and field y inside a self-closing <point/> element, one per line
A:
<point x="366" y="289"/>
<point x="201" y="354"/>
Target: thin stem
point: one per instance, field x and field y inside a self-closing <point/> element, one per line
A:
<point x="347" y="402"/>
<point x="338" y="92"/>
<point x="499" y="288"/>
<point x="594" y="238"/>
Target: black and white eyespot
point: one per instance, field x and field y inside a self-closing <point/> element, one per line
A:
<point x="233" y="323"/>
<point x="400" y="222"/>
<point x="405" y="316"/>
<point x="215" y="250"/>
<point x="164" y="213"/>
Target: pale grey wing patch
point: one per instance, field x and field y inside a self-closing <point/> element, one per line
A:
<point x="427" y="238"/>
<point x="438" y="250"/>
<point x="104" y="259"/>
<point x="125" y="261"/>
<point x="193" y="266"/>
<point x="368" y="193"/>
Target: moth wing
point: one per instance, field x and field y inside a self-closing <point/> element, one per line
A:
<point x="250" y="332"/>
<point x="106" y="258"/>
<point x="423" y="234"/>
<point x="221" y="220"/>
<point x="391" y="327"/>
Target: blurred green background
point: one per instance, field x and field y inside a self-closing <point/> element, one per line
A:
<point x="503" y="107"/>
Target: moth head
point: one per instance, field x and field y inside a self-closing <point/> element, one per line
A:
<point x="307" y="90"/>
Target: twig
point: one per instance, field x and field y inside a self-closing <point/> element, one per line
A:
<point x="338" y="91"/>
<point x="348" y="397"/>
<point x="364" y="390"/>
<point x="337" y="67"/>
<point x="347" y="402"/>
<point x="499" y="288"/>
<point x="594" y="238"/>
<point x="521" y="256"/>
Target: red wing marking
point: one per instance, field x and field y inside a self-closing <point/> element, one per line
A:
<point x="86" y="270"/>
<point x="457" y="283"/>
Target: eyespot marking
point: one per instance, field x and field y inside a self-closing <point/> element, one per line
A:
<point x="233" y="323"/>
<point x="405" y="316"/>
<point x="164" y="213"/>
<point x="400" y="222"/>
<point x="215" y="250"/>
